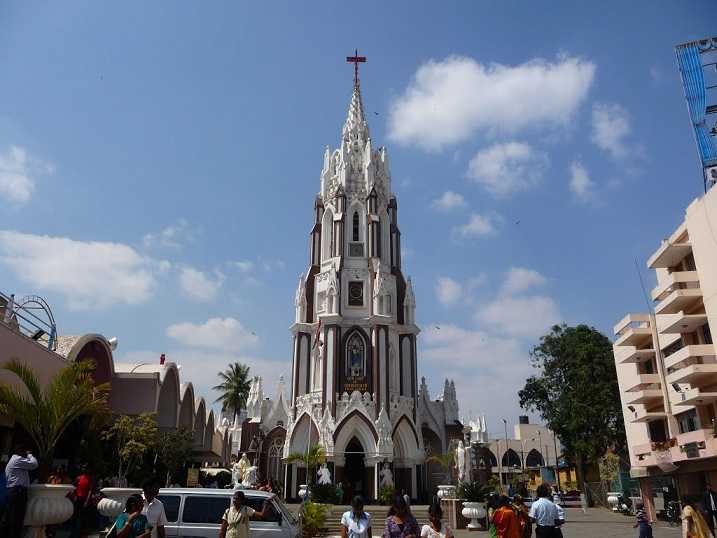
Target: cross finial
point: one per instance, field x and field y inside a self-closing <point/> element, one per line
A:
<point x="356" y="59"/>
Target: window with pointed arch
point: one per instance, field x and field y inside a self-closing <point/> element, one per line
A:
<point x="356" y="224"/>
<point x="356" y="356"/>
<point x="273" y="460"/>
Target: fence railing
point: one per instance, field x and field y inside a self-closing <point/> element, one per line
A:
<point x="21" y="318"/>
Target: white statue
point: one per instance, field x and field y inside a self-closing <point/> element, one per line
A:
<point x="324" y="474"/>
<point x="460" y="457"/>
<point x="386" y="476"/>
<point x="236" y="473"/>
<point x="250" y="477"/>
<point x="243" y="464"/>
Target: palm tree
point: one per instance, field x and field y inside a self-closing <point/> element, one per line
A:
<point x="46" y="413"/>
<point x="234" y="388"/>
<point x="444" y="461"/>
<point x="312" y="458"/>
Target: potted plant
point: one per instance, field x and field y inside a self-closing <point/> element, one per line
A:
<point x="45" y="414"/>
<point x="474" y="494"/>
<point x="445" y="491"/>
<point x="313" y="518"/>
<point x="312" y="458"/>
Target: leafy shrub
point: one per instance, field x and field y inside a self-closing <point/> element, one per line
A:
<point x="385" y="496"/>
<point x="473" y="491"/>
<point x="313" y="518"/>
<point x="324" y="493"/>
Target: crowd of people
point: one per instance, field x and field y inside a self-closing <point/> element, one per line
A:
<point x="400" y="522"/>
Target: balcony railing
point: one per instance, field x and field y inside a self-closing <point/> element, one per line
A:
<point x="637" y="355"/>
<point x="695" y="374"/>
<point x="695" y="396"/>
<point x="634" y="336"/>
<point x="20" y="316"/>
<point x="674" y="281"/>
<point x="678" y="300"/>
<point x="689" y="352"/>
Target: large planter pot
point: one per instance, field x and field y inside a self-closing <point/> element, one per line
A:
<point x="446" y="492"/>
<point x="114" y="500"/>
<point x="303" y="491"/>
<point x="46" y="505"/>
<point x="473" y="511"/>
<point x="613" y="498"/>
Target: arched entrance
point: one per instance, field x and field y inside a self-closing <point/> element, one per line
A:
<point x="435" y="474"/>
<point x="355" y="471"/>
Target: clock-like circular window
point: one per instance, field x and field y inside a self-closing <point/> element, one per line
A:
<point x="355" y="293"/>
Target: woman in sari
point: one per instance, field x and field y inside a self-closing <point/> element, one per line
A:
<point x="693" y="524"/>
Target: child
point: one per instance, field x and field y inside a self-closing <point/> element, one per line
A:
<point x="643" y="523"/>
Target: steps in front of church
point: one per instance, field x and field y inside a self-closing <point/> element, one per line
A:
<point x="378" y="517"/>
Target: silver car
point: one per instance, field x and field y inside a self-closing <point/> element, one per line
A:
<point x="197" y="513"/>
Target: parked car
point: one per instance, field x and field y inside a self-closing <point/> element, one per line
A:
<point x="197" y="513"/>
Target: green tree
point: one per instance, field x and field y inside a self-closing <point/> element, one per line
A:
<point x="174" y="449"/>
<point x="312" y="458"/>
<point x="45" y="413"/>
<point x="133" y="437"/>
<point x="576" y="392"/>
<point x="234" y="388"/>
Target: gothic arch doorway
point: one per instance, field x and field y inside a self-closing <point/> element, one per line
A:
<point x="355" y="471"/>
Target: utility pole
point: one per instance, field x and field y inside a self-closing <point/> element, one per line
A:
<point x="505" y="424"/>
<point x="557" y="471"/>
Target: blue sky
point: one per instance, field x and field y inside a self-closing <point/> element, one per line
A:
<point x="158" y="163"/>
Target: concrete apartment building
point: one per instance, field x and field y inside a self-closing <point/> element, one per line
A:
<point x="667" y="365"/>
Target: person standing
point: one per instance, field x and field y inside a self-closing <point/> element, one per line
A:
<point x="643" y="523"/>
<point x="400" y="523"/>
<point x="17" y="477"/>
<point x="693" y="524"/>
<point x="406" y="498"/>
<point x="356" y="523"/>
<point x="235" y="521"/>
<point x="710" y="506"/>
<point x="526" y="527"/>
<point x="436" y="528"/>
<point x="505" y="519"/>
<point x="83" y="490"/>
<point x="154" y="509"/>
<point x="132" y="523"/>
<point x="544" y="513"/>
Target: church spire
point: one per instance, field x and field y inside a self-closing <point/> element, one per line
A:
<point x="355" y="126"/>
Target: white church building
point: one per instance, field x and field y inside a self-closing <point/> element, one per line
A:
<point x="354" y="378"/>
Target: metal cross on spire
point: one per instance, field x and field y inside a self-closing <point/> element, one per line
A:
<point x="356" y="59"/>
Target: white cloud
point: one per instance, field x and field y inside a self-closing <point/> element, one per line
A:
<point x="506" y="168"/>
<point x="610" y="127"/>
<point x="88" y="274"/>
<point x="174" y="236"/>
<point x="198" y="285"/>
<point x="244" y="265"/>
<point x="448" y="290"/>
<point x="528" y="316"/>
<point x="488" y="369"/>
<point x="520" y="279"/>
<point x="580" y="183"/>
<point x="513" y="312"/>
<point x="202" y="366"/>
<point x="447" y="101"/>
<point x="17" y="171"/>
<point x="477" y="226"/>
<point x="227" y="334"/>
<point x="449" y="200"/>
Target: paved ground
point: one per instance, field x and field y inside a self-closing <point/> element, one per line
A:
<point x="598" y="523"/>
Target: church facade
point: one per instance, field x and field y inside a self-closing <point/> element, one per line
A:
<point x="354" y="376"/>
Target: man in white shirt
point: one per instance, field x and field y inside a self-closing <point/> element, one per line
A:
<point x="154" y="509"/>
<point x="544" y="513"/>
<point x="17" y="478"/>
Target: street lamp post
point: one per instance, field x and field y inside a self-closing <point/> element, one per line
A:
<point x="505" y="424"/>
<point x="557" y="471"/>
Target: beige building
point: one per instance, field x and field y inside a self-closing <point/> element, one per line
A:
<point x="666" y="364"/>
<point x="134" y="388"/>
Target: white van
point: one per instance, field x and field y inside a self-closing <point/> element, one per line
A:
<point x="197" y="513"/>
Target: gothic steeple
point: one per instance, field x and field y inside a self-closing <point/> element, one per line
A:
<point x="355" y="127"/>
